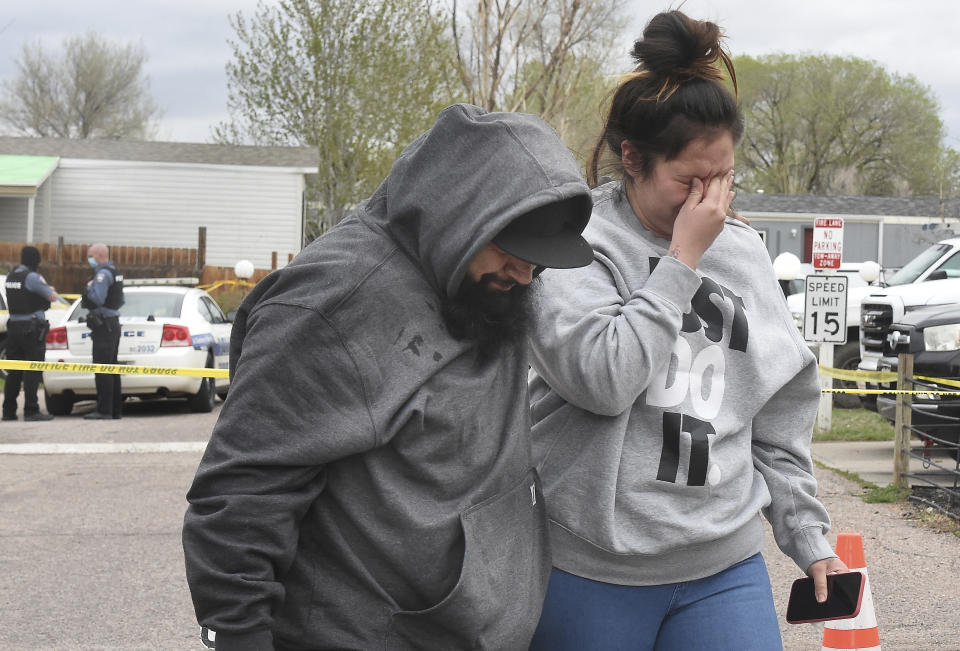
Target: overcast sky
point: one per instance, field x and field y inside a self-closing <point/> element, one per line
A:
<point x="187" y="48"/>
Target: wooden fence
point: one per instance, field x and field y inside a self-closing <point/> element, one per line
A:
<point x="211" y="275"/>
<point x="65" y="266"/>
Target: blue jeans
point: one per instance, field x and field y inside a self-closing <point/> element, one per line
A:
<point x="729" y="611"/>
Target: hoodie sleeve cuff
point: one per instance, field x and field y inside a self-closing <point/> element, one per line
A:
<point x="810" y="546"/>
<point x="674" y="281"/>
<point x="252" y="641"/>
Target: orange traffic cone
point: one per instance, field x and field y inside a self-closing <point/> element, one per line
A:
<point x="858" y="632"/>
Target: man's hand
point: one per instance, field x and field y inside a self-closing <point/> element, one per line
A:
<point x="819" y="570"/>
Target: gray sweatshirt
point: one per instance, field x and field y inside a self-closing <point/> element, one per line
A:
<point x="369" y="483"/>
<point x="671" y="407"/>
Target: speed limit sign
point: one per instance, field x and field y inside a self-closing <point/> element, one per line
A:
<point x="825" y="311"/>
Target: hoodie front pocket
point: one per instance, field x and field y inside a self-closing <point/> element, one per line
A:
<point x="497" y="600"/>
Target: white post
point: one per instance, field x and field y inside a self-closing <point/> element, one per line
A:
<point x="880" y="244"/>
<point x="47" y="190"/>
<point x="825" y="414"/>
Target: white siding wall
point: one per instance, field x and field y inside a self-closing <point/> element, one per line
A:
<point x="248" y="211"/>
<point x="13" y="219"/>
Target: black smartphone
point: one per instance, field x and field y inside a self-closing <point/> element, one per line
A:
<point x="844" y="594"/>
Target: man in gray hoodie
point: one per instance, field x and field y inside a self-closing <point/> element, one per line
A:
<point x="369" y="483"/>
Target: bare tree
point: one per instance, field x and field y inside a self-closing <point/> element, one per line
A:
<point x="540" y="56"/>
<point x="513" y="51"/>
<point x="95" y="89"/>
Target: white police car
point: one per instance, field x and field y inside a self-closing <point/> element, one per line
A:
<point x="165" y="326"/>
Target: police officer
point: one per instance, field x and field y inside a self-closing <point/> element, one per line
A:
<point x="28" y="295"/>
<point x="103" y="296"/>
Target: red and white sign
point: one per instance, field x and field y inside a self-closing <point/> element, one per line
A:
<point x="827" y="242"/>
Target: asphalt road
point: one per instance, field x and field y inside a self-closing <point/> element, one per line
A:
<point x="90" y="554"/>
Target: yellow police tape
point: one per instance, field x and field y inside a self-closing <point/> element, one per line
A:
<point x="877" y="392"/>
<point x="853" y="376"/>
<point x="226" y="283"/>
<point x="114" y="369"/>
<point x="884" y="377"/>
<point x="949" y="383"/>
<point x="125" y="369"/>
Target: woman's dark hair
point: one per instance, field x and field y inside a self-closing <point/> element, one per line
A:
<point x="674" y="96"/>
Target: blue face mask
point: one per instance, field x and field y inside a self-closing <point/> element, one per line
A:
<point x="92" y="261"/>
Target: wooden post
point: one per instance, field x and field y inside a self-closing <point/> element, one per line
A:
<point x="60" y="251"/>
<point x="825" y="413"/>
<point x="273" y="260"/>
<point x="202" y="248"/>
<point x="904" y="418"/>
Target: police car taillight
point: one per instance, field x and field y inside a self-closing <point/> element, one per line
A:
<point x="57" y="338"/>
<point x="175" y="335"/>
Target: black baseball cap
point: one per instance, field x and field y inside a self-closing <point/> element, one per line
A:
<point x="549" y="236"/>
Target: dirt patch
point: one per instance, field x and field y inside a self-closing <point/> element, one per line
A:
<point x="938" y="508"/>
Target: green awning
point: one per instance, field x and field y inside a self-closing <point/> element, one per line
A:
<point x="20" y="176"/>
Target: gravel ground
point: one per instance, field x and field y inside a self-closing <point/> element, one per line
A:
<point x="914" y="572"/>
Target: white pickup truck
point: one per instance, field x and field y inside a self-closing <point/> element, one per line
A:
<point x="932" y="278"/>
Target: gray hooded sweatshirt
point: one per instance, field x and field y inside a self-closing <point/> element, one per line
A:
<point x="369" y="483"/>
<point x="671" y="407"/>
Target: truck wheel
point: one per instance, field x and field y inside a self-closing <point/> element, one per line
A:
<point x="846" y="358"/>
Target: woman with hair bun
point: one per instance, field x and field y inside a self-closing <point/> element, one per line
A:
<point x="673" y="398"/>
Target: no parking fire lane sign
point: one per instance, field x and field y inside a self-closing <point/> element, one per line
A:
<point x="827" y="242"/>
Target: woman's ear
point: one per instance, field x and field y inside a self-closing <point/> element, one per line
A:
<point x="631" y="159"/>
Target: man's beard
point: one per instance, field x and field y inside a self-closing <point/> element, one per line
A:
<point x="489" y="317"/>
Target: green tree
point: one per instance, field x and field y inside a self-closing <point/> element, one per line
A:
<point x="94" y="89"/>
<point x="948" y="174"/>
<point x="358" y="80"/>
<point x="826" y="124"/>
